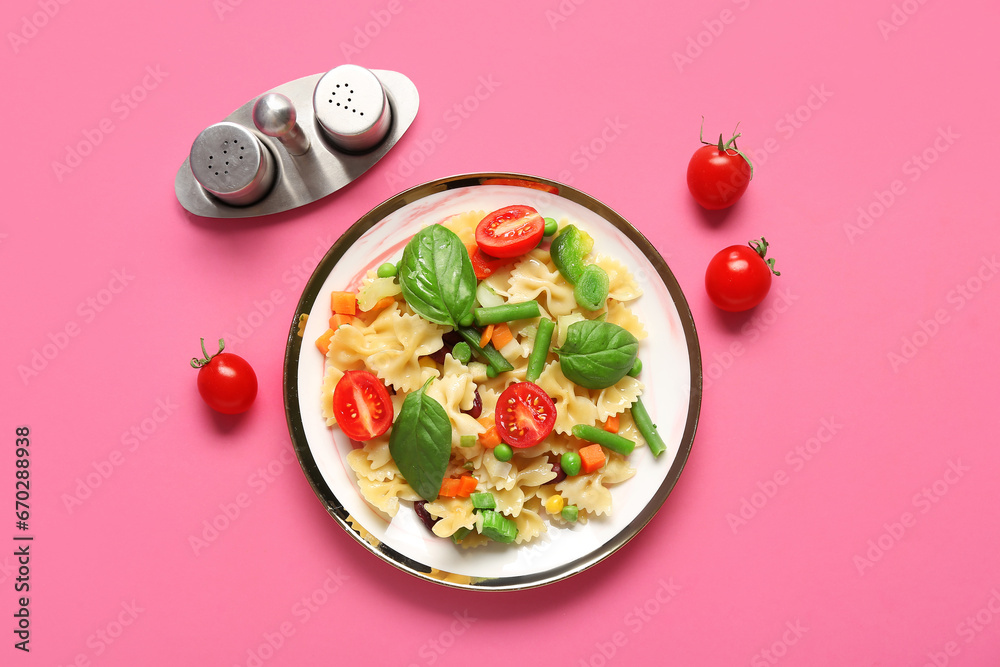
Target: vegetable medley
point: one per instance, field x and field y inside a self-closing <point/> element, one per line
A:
<point x="490" y="377"/>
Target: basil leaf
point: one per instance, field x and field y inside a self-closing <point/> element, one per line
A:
<point x="597" y="354"/>
<point x="437" y="277"/>
<point x="420" y="443"/>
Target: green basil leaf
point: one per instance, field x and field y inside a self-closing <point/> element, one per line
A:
<point x="597" y="354"/>
<point x="437" y="277"/>
<point x="420" y="443"/>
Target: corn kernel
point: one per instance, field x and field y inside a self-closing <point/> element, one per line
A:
<point x="554" y="504"/>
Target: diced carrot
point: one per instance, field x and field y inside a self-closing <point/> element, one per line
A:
<point x="490" y="438"/>
<point x="501" y="335"/>
<point x="466" y="485"/>
<point x="323" y="342"/>
<point x="591" y="458"/>
<point x="338" y="320"/>
<point x="344" y="303"/>
<point x="487" y="334"/>
<point x="611" y="424"/>
<point x="485" y="422"/>
<point x="449" y="487"/>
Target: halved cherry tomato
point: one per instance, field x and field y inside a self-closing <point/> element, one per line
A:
<point x="525" y="415"/>
<point x="362" y="405"/>
<point x="483" y="264"/>
<point x="510" y="231"/>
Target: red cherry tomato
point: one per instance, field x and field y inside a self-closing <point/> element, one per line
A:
<point x="510" y="231"/>
<point x="738" y="278"/>
<point x="362" y="405"/>
<point x="484" y="265"/>
<point x="525" y="415"/>
<point x="718" y="174"/>
<point x="226" y="381"/>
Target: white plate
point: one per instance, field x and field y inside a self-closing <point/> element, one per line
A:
<point x="671" y="373"/>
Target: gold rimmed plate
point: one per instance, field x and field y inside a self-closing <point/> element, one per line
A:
<point x="671" y="373"/>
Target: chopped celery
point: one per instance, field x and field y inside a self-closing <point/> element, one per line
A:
<point x="498" y="528"/>
<point x="483" y="501"/>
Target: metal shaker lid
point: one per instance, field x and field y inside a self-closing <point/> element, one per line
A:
<point x="230" y="162"/>
<point x="351" y="108"/>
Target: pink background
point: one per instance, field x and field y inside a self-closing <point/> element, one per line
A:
<point x="595" y="96"/>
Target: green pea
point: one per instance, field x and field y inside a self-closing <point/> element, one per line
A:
<point x="636" y="368"/>
<point x="550" y="226"/>
<point x="503" y="452"/>
<point x="462" y="352"/>
<point x="491" y="372"/>
<point x="570" y="463"/>
<point x="571" y="513"/>
<point x="387" y="270"/>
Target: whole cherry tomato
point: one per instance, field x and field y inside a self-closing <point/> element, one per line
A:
<point x="718" y="174"/>
<point x="738" y="278"/>
<point x="225" y="381"/>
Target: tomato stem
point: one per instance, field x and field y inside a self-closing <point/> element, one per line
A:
<point x="725" y="147"/>
<point x="761" y="249"/>
<point x="198" y="363"/>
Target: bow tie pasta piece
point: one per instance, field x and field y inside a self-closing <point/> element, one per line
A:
<point x="574" y="404"/>
<point x="536" y="278"/>
<point x="398" y="363"/>
<point x="623" y="285"/>
<point x="589" y="492"/>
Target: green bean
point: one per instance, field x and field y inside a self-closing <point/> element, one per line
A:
<point x="506" y="313"/>
<point x="612" y="441"/>
<point x="489" y="354"/>
<point x="647" y="428"/>
<point x="540" y="350"/>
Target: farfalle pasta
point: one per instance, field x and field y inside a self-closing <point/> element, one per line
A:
<point x="484" y="404"/>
